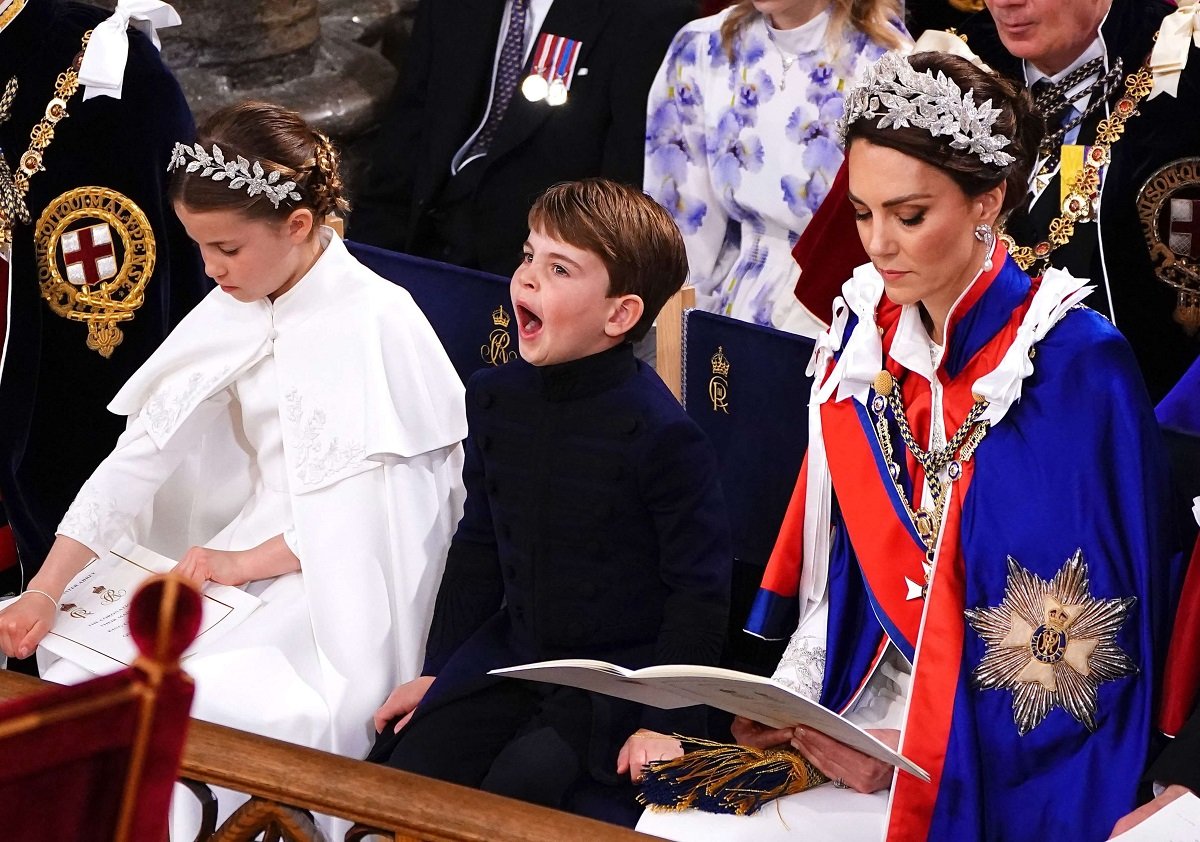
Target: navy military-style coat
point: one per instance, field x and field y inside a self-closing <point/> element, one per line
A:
<point x="54" y="428"/>
<point x="594" y="527"/>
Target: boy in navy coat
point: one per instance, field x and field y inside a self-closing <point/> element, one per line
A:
<point x="594" y="527"/>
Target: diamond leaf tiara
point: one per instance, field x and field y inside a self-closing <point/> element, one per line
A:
<point x="240" y="173"/>
<point x="900" y="96"/>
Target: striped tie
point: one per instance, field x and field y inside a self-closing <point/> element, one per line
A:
<point x="508" y="70"/>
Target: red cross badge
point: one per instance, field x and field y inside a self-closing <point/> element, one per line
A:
<point x="88" y="255"/>
<point x="95" y="254"/>
<point x="1169" y="207"/>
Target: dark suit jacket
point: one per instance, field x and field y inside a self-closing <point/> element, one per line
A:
<point x="54" y="428"/>
<point x="441" y="99"/>
<point x="1180" y="763"/>
<point x="1165" y="130"/>
<point x="594" y="527"/>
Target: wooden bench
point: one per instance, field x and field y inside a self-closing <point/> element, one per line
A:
<point x="284" y="780"/>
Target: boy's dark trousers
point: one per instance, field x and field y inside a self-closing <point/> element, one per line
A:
<point x="514" y="738"/>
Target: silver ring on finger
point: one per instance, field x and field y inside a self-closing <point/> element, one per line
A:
<point x="840" y="784"/>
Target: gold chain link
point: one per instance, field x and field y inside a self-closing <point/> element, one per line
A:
<point x="1077" y="206"/>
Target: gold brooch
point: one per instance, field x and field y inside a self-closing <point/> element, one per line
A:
<point x="95" y="253"/>
<point x="1051" y="643"/>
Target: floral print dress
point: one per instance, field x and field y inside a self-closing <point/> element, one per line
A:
<point x="742" y="153"/>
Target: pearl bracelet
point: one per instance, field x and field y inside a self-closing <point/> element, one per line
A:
<point x="42" y="593"/>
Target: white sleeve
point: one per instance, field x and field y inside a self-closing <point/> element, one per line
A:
<point x="126" y="481"/>
<point x="802" y="666"/>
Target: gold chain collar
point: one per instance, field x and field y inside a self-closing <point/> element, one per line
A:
<point x="1086" y="188"/>
<point x="6" y="17"/>
<point x="42" y="134"/>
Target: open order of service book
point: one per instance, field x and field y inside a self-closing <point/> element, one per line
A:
<point x="92" y="628"/>
<point x="681" y="685"/>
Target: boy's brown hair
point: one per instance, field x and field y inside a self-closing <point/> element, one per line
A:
<point x="632" y="234"/>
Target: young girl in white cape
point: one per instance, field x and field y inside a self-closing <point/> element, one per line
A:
<point x="297" y="434"/>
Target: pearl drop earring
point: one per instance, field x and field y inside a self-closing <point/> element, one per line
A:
<point x="985" y="235"/>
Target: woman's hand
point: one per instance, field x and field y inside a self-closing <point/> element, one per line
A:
<point x="402" y="702"/>
<point x="24" y="623"/>
<point x="200" y="565"/>
<point x="839" y="762"/>
<point x="644" y="747"/>
<point x="1132" y="820"/>
<point x="756" y="735"/>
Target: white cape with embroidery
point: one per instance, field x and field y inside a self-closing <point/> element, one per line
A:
<point x="331" y="416"/>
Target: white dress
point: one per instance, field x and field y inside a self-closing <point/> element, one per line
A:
<point x="742" y="153"/>
<point x="331" y="416"/>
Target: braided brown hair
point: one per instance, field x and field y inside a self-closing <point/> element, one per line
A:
<point x="280" y="140"/>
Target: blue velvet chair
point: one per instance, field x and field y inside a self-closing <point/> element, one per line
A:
<point x="745" y="386"/>
<point x="470" y="311"/>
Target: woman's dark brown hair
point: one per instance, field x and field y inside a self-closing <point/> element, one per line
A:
<point x="1017" y="121"/>
<point x="282" y="142"/>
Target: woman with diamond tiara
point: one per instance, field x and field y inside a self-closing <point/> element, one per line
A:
<point x="297" y="434"/>
<point x="741" y="145"/>
<point x="977" y="562"/>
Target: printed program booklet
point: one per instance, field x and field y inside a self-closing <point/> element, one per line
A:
<point x="680" y="685"/>
<point x="91" y="627"/>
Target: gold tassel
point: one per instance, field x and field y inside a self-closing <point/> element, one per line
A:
<point x="724" y="778"/>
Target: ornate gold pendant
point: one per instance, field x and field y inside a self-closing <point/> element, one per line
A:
<point x="95" y="254"/>
<point x="1051" y="643"/>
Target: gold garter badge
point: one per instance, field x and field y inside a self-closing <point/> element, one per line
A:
<point x="95" y="254"/>
<point x="1169" y="206"/>
<point x="1051" y="643"/>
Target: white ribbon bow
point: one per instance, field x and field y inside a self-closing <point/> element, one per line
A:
<point x="102" y="71"/>
<point x="1170" y="54"/>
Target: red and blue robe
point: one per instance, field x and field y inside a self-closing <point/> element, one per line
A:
<point x="1073" y="463"/>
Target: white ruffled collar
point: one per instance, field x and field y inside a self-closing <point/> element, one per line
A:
<point x="862" y="356"/>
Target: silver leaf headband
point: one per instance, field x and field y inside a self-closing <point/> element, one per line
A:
<point x="901" y="96"/>
<point x="240" y="173"/>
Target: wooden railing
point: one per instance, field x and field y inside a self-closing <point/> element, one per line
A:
<point x="284" y="781"/>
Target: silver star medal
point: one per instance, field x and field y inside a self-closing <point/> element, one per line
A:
<point x="1051" y="643"/>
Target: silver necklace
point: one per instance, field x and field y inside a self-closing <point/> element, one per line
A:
<point x="786" y="60"/>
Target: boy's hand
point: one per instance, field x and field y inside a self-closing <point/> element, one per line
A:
<point x="756" y="735"/>
<point x="402" y="702"/>
<point x="23" y="625"/>
<point x="644" y="747"/>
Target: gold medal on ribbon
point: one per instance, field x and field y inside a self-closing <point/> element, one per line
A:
<point x="1072" y="157"/>
<point x="95" y="253"/>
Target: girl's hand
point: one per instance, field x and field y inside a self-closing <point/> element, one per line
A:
<point x="200" y="565"/>
<point x="24" y="623"/>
